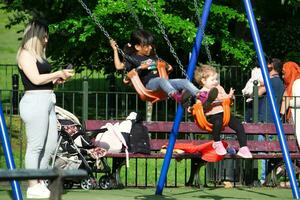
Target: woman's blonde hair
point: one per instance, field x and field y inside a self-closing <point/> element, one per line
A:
<point x="34" y="34"/>
<point x="203" y="72"/>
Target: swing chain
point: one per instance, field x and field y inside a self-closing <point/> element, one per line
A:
<point x="133" y="14"/>
<point x="202" y="30"/>
<point x="100" y="26"/>
<point x="162" y="29"/>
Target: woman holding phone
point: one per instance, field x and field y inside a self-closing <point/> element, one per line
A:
<point x="37" y="104"/>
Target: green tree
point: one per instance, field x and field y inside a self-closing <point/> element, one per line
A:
<point x="280" y="27"/>
<point x="75" y="38"/>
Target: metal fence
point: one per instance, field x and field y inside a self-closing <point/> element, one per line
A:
<point x="230" y="76"/>
<point x="116" y="103"/>
<point x="88" y="103"/>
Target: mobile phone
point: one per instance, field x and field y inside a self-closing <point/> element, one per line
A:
<point x="70" y="66"/>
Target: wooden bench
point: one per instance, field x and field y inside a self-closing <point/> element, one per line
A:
<point x="188" y="131"/>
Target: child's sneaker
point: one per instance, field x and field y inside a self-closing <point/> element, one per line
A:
<point x="202" y="96"/>
<point x="211" y="96"/>
<point x="177" y="96"/>
<point x="38" y="191"/>
<point x="244" y="152"/>
<point x="186" y="99"/>
<point x="219" y="148"/>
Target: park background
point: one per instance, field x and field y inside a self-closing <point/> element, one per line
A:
<point x="74" y="38"/>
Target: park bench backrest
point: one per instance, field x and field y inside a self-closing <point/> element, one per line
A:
<point x="190" y="127"/>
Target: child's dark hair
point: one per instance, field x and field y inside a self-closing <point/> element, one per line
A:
<point x="138" y="37"/>
<point x="141" y="37"/>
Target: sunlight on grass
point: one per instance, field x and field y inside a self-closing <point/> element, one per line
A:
<point x="9" y="43"/>
<point x="16" y="134"/>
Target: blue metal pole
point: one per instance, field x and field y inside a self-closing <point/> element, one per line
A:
<point x="10" y="163"/>
<point x="179" y="113"/>
<point x="271" y="99"/>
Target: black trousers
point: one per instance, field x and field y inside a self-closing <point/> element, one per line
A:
<point x="234" y="124"/>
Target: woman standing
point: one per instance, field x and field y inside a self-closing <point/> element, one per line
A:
<point x="37" y="104"/>
<point x="291" y="100"/>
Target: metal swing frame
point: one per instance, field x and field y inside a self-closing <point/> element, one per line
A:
<point x="190" y="71"/>
<point x="271" y="99"/>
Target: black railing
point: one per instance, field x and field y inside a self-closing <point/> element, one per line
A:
<point x="91" y="104"/>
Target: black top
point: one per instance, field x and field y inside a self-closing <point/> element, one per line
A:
<point x="145" y="74"/>
<point x="265" y="114"/>
<point x="43" y="68"/>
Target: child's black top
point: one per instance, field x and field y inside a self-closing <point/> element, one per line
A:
<point x="145" y="74"/>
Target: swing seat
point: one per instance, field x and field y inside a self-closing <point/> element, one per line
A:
<point x="144" y="93"/>
<point x="200" y="118"/>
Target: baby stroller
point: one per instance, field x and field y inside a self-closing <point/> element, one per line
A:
<point x="75" y="150"/>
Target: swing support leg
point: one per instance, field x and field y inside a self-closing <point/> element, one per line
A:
<point x="271" y="99"/>
<point x="179" y="113"/>
<point x="10" y="163"/>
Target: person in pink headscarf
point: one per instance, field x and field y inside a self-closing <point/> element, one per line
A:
<point x="291" y="100"/>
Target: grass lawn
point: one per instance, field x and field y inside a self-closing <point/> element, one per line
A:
<point x="180" y="193"/>
<point x="9" y="43"/>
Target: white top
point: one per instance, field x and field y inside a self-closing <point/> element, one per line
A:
<point x="295" y="94"/>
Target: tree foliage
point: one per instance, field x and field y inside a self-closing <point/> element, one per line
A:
<point x="75" y="38"/>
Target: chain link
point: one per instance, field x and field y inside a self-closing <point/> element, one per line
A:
<point x="133" y="14"/>
<point x="100" y="26"/>
<point x="202" y="30"/>
<point x="162" y="29"/>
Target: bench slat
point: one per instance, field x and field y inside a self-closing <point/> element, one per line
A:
<point x="191" y="127"/>
<point x="254" y="146"/>
<point x="187" y="156"/>
<point x="270" y="149"/>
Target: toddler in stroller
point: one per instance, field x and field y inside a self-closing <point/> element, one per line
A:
<point x="75" y="150"/>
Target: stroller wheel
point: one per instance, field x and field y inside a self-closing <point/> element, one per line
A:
<point x="68" y="184"/>
<point x="88" y="184"/>
<point x="105" y="182"/>
<point x="47" y="182"/>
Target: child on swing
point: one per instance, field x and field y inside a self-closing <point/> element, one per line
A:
<point x="213" y="93"/>
<point x="141" y="50"/>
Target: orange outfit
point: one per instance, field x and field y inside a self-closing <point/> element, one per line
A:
<point x="291" y="73"/>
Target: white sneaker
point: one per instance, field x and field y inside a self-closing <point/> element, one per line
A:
<point x="44" y="186"/>
<point x="38" y="191"/>
<point x="219" y="148"/>
<point x="244" y="152"/>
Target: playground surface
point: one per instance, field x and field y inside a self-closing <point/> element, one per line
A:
<point x="180" y="193"/>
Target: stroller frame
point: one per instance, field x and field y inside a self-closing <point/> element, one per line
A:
<point x="105" y="181"/>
